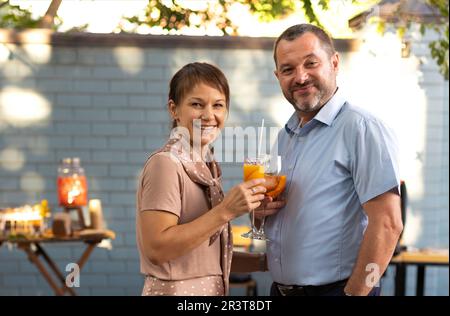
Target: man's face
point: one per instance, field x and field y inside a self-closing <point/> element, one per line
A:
<point x="306" y="73"/>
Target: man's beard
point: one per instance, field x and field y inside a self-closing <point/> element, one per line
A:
<point x="310" y="106"/>
<point x="306" y="105"/>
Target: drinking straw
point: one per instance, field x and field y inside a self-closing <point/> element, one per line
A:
<point x="260" y="138"/>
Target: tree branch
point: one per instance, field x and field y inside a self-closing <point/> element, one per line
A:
<point x="49" y="17"/>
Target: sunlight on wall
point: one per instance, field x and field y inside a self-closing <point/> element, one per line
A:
<point x="38" y="53"/>
<point x="32" y="182"/>
<point x="180" y="57"/>
<point x="39" y="146"/>
<point x="413" y="228"/>
<point x="12" y="159"/>
<point x="23" y="107"/>
<point x="4" y="53"/>
<point x="280" y="109"/>
<point x="130" y="59"/>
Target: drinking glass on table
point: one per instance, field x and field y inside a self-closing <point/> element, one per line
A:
<point x="269" y="168"/>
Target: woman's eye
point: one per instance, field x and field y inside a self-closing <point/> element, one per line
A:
<point x="219" y="105"/>
<point x="196" y="104"/>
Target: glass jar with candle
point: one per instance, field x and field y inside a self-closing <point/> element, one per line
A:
<point x="72" y="184"/>
<point x="64" y="170"/>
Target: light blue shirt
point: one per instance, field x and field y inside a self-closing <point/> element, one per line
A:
<point x="336" y="162"/>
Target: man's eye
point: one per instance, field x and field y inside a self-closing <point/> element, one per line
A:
<point x="286" y="70"/>
<point x="311" y="63"/>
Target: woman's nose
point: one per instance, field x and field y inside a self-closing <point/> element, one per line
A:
<point x="207" y="114"/>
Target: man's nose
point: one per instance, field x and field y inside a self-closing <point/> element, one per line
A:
<point x="301" y="75"/>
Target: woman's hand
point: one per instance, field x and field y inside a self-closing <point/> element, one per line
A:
<point x="243" y="198"/>
<point x="269" y="207"/>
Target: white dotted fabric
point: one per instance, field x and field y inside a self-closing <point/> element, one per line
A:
<point x="204" y="286"/>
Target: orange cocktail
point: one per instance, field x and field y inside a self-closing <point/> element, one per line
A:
<point x="274" y="184"/>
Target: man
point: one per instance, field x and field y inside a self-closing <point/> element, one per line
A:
<point x="342" y="220"/>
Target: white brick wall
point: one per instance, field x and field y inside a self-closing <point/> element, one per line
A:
<point x="113" y="116"/>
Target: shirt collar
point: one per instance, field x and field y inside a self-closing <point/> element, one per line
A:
<point x="330" y="110"/>
<point x="326" y="115"/>
<point x="293" y="124"/>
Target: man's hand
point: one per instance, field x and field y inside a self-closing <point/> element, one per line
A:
<point x="268" y="207"/>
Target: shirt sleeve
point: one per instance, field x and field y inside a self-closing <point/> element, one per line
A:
<point x="161" y="185"/>
<point x="375" y="166"/>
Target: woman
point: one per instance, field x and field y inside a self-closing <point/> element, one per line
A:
<point x="183" y="230"/>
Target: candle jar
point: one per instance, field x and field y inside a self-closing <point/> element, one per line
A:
<point x="71" y="184"/>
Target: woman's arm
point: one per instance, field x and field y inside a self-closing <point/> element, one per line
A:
<point x="164" y="239"/>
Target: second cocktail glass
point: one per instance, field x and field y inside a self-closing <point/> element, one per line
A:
<point x="264" y="167"/>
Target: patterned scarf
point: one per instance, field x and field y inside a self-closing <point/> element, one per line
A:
<point x="210" y="179"/>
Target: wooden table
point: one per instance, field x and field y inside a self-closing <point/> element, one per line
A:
<point x="34" y="249"/>
<point x="421" y="259"/>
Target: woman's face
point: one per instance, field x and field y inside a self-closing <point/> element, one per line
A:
<point x="205" y="104"/>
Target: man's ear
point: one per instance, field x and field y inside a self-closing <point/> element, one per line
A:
<point x="172" y="108"/>
<point x="335" y="62"/>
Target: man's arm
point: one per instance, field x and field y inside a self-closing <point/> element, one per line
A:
<point x="381" y="236"/>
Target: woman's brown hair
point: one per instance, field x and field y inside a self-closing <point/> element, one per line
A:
<point x="193" y="74"/>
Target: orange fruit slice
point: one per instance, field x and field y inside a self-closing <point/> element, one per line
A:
<point x="279" y="188"/>
<point x="253" y="172"/>
<point x="271" y="182"/>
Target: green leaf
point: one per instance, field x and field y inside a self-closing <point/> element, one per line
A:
<point x="422" y="29"/>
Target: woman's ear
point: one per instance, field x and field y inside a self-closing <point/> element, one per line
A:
<point x="171" y="106"/>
